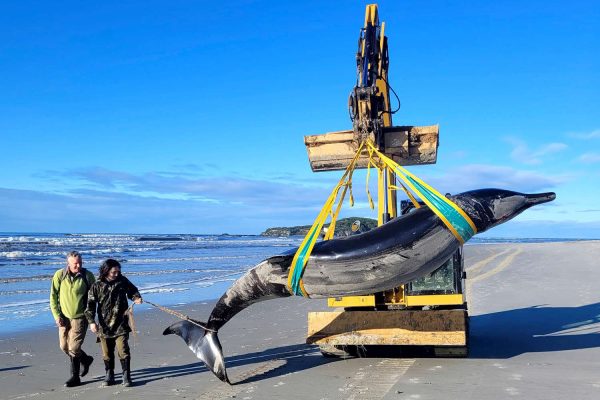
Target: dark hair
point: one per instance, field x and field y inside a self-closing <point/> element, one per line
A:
<point x="107" y="266"/>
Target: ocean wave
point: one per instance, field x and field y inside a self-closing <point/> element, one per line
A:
<point x="26" y="279"/>
<point x="170" y="266"/>
<point x="163" y="290"/>
<point x="22" y="239"/>
<point x="208" y="284"/>
<point x="12" y="254"/>
<point x="23" y="291"/>
<point x="48" y="277"/>
<point x="159" y="239"/>
<point x="185" y="271"/>
<point x="22" y="259"/>
<point x="112" y="250"/>
<point x="24" y="303"/>
<point x="24" y="307"/>
<point x="222" y="278"/>
<point x="189" y="259"/>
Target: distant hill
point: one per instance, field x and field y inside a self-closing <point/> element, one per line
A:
<point x="343" y="227"/>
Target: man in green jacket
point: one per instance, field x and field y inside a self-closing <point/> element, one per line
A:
<point x="68" y="299"/>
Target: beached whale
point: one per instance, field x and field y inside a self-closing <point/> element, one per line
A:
<point x="395" y="253"/>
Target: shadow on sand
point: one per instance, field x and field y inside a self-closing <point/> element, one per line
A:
<point x="503" y="334"/>
<point x="14" y="368"/>
<point x="506" y="334"/>
<point x="292" y="358"/>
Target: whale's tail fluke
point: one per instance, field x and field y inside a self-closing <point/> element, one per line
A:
<point x="204" y="343"/>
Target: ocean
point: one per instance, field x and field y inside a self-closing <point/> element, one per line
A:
<point x="168" y="269"/>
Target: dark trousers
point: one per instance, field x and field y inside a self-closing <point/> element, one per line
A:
<point x="108" y="347"/>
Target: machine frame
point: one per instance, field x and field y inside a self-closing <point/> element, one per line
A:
<point x="412" y="314"/>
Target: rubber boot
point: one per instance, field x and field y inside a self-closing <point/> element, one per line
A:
<point x="74" y="379"/>
<point x="126" y="372"/>
<point x="86" y="361"/>
<point x="109" y="367"/>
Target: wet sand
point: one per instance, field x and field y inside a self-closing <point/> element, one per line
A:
<point x="535" y="334"/>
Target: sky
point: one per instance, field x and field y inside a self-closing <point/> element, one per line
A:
<point x="189" y="116"/>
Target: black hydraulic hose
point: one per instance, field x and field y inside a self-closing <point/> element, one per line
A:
<point x="397" y="98"/>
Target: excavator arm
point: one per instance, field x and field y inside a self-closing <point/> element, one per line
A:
<point x="369" y="102"/>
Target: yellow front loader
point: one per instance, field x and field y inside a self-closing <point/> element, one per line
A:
<point x="430" y="311"/>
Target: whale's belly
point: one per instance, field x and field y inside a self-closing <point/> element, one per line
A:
<point x="379" y="269"/>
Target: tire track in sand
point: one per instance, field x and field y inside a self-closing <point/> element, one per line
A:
<point x="482" y="263"/>
<point x="373" y="382"/>
<point x="501" y="266"/>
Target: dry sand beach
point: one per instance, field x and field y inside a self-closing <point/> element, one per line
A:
<point x="535" y="334"/>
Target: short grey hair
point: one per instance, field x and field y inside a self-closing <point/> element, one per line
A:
<point x="74" y="254"/>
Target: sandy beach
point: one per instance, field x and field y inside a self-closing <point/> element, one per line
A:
<point x="535" y="334"/>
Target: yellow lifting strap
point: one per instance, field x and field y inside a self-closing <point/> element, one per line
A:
<point x="455" y="219"/>
<point x="294" y="284"/>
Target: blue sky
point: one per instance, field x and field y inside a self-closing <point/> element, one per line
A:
<point x="189" y="117"/>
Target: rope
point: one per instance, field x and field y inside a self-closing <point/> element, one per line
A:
<point x="178" y="315"/>
<point x="129" y="314"/>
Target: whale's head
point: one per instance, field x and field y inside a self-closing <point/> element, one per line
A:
<point x="490" y="207"/>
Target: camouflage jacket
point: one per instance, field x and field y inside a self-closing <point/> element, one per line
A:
<point x="109" y="300"/>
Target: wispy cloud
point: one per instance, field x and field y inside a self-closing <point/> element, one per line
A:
<point x="523" y="154"/>
<point x="476" y="176"/>
<point x="589" y="158"/>
<point x="222" y="189"/>
<point x="595" y="134"/>
<point x="102" y="211"/>
<point x="290" y="193"/>
<point x="96" y="211"/>
<point x="100" y="199"/>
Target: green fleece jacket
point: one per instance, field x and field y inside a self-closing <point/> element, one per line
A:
<point x="68" y="296"/>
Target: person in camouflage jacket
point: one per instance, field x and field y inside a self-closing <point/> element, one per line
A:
<point x="108" y="298"/>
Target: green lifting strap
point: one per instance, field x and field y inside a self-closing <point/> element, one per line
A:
<point x="455" y="219"/>
<point x="302" y="255"/>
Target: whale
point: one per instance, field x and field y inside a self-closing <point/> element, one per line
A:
<point x="395" y="253"/>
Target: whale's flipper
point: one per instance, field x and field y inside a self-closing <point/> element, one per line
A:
<point x="205" y="344"/>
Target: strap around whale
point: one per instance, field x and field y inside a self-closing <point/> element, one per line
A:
<point x="294" y="284"/>
<point x="455" y="219"/>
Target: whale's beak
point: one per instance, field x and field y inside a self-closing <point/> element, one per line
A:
<point x="539" y="198"/>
